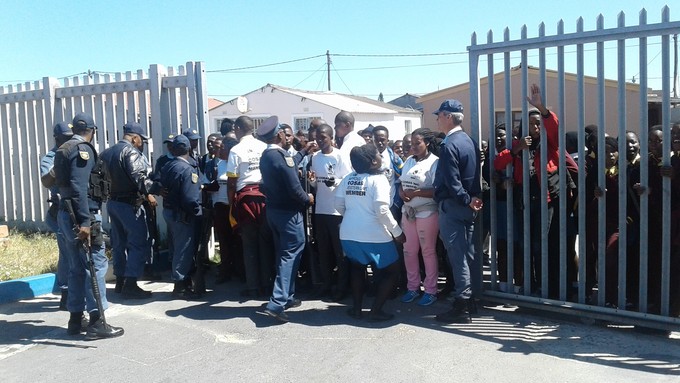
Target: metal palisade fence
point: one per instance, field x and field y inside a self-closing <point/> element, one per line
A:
<point x="626" y="273"/>
<point x="163" y="100"/>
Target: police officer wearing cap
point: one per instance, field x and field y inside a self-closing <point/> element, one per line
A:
<point x="457" y="190"/>
<point x="164" y="159"/>
<point x="73" y="164"/>
<point x="285" y="201"/>
<point x="182" y="211"/>
<point x="193" y="137"/>
<point x="127" y="169"/>
<point x="62" y="133"/>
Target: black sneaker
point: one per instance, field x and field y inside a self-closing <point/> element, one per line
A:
<point x="101" y="330"/>
<point x="282" y="317"/>
<point x="293" y="304"/>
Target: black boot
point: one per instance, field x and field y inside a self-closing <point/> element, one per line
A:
<point x="120" y="281"/>
<point x="459" y="313"/>
<point x="76" y="323"/>
<point x="132" y="291"/>
<point x="101" y="330"/>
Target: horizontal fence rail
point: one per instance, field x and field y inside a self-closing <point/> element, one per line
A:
<point x="589" y="249"/>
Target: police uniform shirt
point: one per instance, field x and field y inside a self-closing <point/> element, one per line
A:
<point x="46" y="164"/>
<point x="80" y="162"/>
<point x="364" y="201"/>
<point x="280" y="182"/>
<point x="244" y="162"/>
<point x="181" y="180"/>
<point x="326" y="167"/>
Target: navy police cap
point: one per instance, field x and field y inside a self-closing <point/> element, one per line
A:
<point x="135" y="128"/>
<point x="63" y="129"/>
<point x="83" y="121"/>
<point x="450" y="106"/>
<point x="268" y="129"/>
<point x="181" y="140"/>
<point x="191" y="134"/>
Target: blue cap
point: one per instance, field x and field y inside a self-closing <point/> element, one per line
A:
<point x="450" y="106"/>
<point x="169" y="139"/>
<point x="63" y="129"/>
<point x="135" y="128"/>
<point x="191" y="134"/>
<point x="268" y="129"/>
<point x="181" y="140"/>
<point x="83" y="121"/>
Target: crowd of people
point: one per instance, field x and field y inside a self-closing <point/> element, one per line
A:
<point x="331" y="206"/>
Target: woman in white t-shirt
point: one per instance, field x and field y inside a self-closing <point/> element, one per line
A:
<point x="419" y="217"/>
<point x="367" y="229"/>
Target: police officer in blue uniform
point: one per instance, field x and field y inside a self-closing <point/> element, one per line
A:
<point x="62" y="133"/>
<point x="285" y="200"/>
<point x="182" y="211"/>
<point x="73" y="165"/>
<point x="127" y="169"/>
<point x="193" y="137"/>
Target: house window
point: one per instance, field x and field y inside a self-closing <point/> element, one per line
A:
<point x="407" y="126"/>
<point x="258" y="121"/>
<point x="302" y="123"/>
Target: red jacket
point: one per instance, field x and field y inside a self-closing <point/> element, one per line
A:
<point x="551" y="124"/>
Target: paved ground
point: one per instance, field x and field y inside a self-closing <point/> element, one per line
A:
<point x="221" y="338"/>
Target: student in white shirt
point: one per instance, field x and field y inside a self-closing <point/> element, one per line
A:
<point x="327" y="168"/>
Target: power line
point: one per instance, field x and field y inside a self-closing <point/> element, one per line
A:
<point x="399" y="55"/>
<point x="264" y="65"/>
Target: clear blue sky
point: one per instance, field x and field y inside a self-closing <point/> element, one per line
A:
<point x="62" y="38"/>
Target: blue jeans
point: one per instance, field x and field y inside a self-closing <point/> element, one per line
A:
<point x="184" y="243"/>
<point x="289" y="241"/>
<point x="62" y="262"/>
<point x="80" y="294"/>
<point x="456" y="229"/>
<point x="130" y="242"/>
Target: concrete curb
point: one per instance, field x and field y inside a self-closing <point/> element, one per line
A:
<point x="25" y="288"/>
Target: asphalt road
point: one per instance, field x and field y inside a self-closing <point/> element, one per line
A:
<point x="222" y="338"/>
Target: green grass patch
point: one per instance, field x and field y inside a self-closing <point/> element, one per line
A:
<point x="27" y="254"/>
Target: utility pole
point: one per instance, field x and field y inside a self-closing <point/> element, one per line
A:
<point x="328" y="68"/>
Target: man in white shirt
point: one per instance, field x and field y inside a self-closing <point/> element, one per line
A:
<point x="345" y="136"/>
<point x="248" y="208"/>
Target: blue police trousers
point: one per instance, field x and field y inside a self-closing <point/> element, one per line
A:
<point x="456" y="229"/>
<point x="80" y="294"/>
<point x="62" y="262"/>
<point x="289" y="241"/>
<point x="184" y="242"/>
<point x="130" y="242"/>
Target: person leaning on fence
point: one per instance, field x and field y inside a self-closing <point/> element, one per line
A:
<point x="73" y="165"/>
<point x="531" y="144"/>
<point x="181" y="210"/>
<point x="62" y="133"/>
<point x="127" y="170"/>
<point x="457" y="190"/>
<point x="285" y="201"/>
<point x="368" y="229"/>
